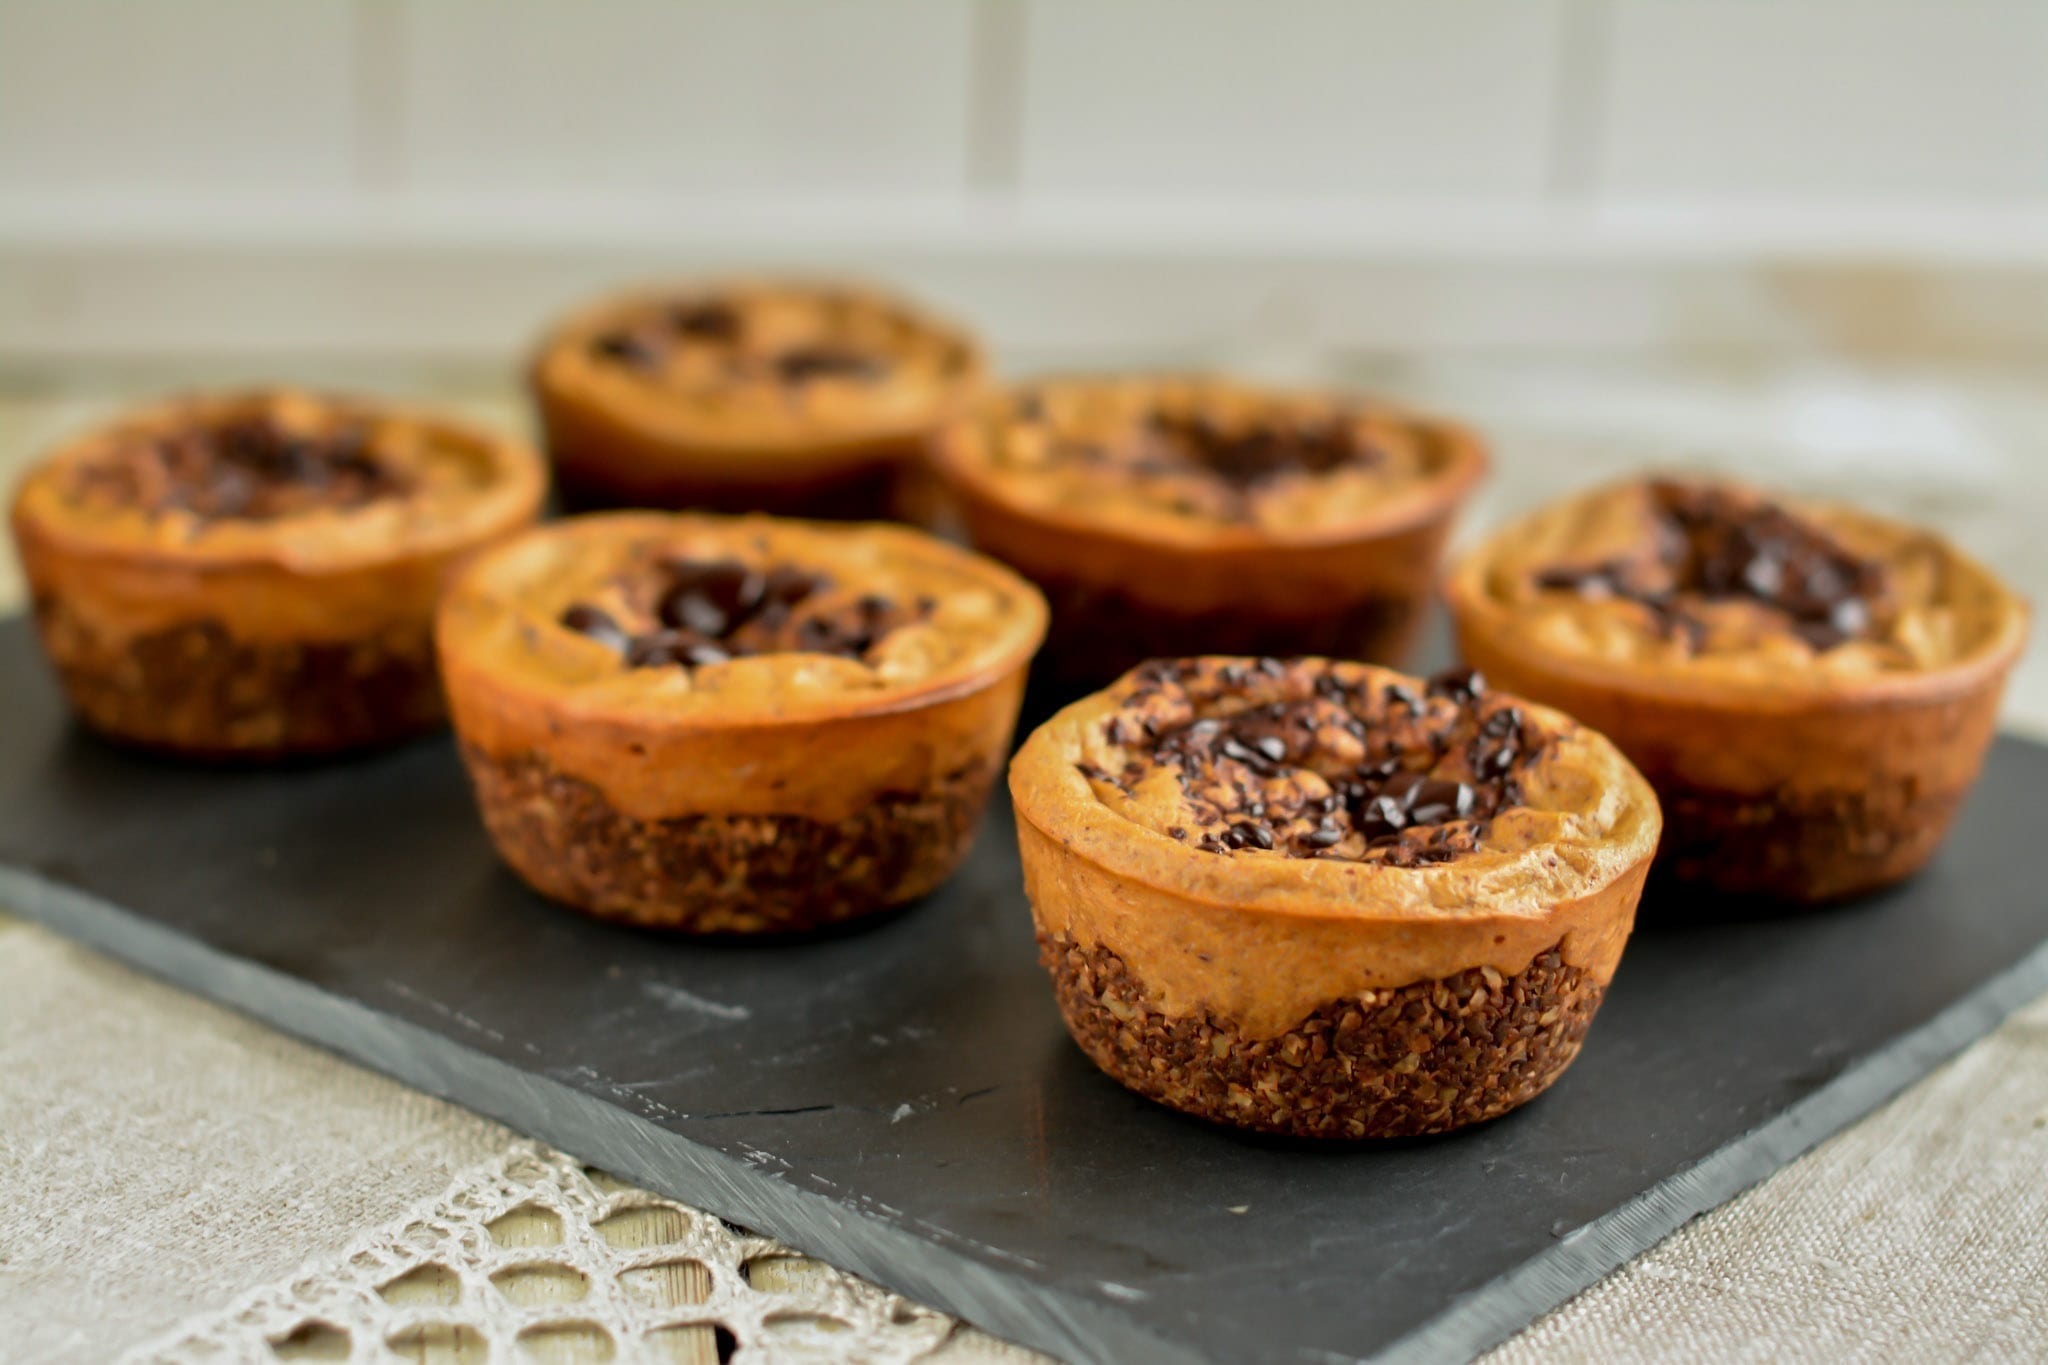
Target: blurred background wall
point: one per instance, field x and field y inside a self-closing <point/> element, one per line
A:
<point x="1279" y="184"/>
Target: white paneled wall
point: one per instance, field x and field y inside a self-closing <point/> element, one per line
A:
<point x="1302" y="98"/>
<point x="777" y="98"/>
<point x="117" y="103"/>
<point x="1883" y="100"/>
<point x="366" y="173"/>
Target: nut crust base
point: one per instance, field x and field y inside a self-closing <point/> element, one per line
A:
<point x="196" y="691"/>
<point x="1810" y="848"/>
<point x="601" y="464"/>
<point x="722" y="873"/>
<point x="1396" y="1062"/>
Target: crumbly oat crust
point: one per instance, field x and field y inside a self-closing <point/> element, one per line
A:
<point x="723" y="873"/>
<point x="1397" y="1061"/>
<point x="254" y="575"/>
<point x="195" y="690"/>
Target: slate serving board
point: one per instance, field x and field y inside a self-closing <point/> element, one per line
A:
<point x="903" y="1101"/>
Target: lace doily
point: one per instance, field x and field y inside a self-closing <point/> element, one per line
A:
<point x="534" y="1257"/>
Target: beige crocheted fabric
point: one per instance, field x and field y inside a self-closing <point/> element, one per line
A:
<point x="534" y="1252"/>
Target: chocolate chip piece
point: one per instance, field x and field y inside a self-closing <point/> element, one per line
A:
<point x="1238" y="751"/>
<point x="1402" y="787"/>
<point x="1439" y="800"/>
<point x="1763" y="575"/>
<point x="711" y="598"/>
<point x="1381" y="816"/>
<point x="790" y="586"/>
<point x="1323" y="836"/>
<point x="697" y="655"/>
<point x="656" y="648"/>
<point x="251" y="468"/>
<point x="1245" y="834"/>
<point x="782" y="590"/>
<point x="1459" y="684"/>
<point x="707" y="321"/>
<point x="1398" y="694"/>
<point x="1601" y="580"/>
<point x="1850" y="616"/>
<point x="629" y="349"/>
<point x="1497" y="744"/>
<point x="807" y="363"/>
<point x="1272" y="747"/>
<point x="818" y="635"/>
<point x="1245" y="455"/>
<point x="597" y="623"/>
<point x="688" y="609"/>
<point x="1722" y="548"/>
<point x="229" y="493"/>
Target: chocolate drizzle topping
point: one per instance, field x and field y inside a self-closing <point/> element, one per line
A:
<point x="720" y="327"/>
<point x="1713" y="547"/>
<point x="1196" y="461"/>
<point x="711" y="611"/>
<point x="1348" y="771"/>
<point x="1249" y="454"/>
<point x="806" y="363"/>
<point x="248" y="469"/>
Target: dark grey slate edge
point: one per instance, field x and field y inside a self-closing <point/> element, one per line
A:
<point x="1584" y="1256"/>
<point x="1004" y="1303"/>
<point x="596" y="1131"/>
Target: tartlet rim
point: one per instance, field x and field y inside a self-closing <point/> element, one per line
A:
<point x="794" y="441"/>
<point x="1428" y="500"/>
<point x="1014" y="651"/>
<point x="513" y="495"/>
<point x="1046" y="791"/>
<point x="1473" y="608"/>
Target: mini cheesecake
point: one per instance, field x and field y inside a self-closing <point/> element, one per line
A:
<point x="1323" y="899"/>
<point x="734" y="725"/>
<point x="1170" y="516"/>
<point x="750" y="396"/>
<point x="252" y="576"/>
<point x="1811" y="689"/>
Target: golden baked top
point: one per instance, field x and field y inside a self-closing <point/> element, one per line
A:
<point x="674" y="617"/>
<point x="1189" y="458"/>
<point x="302" y="479"/>
<point x="1718" y="581"/>
<point x="1332" y="789"/>
<point x="749" y="363"/>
